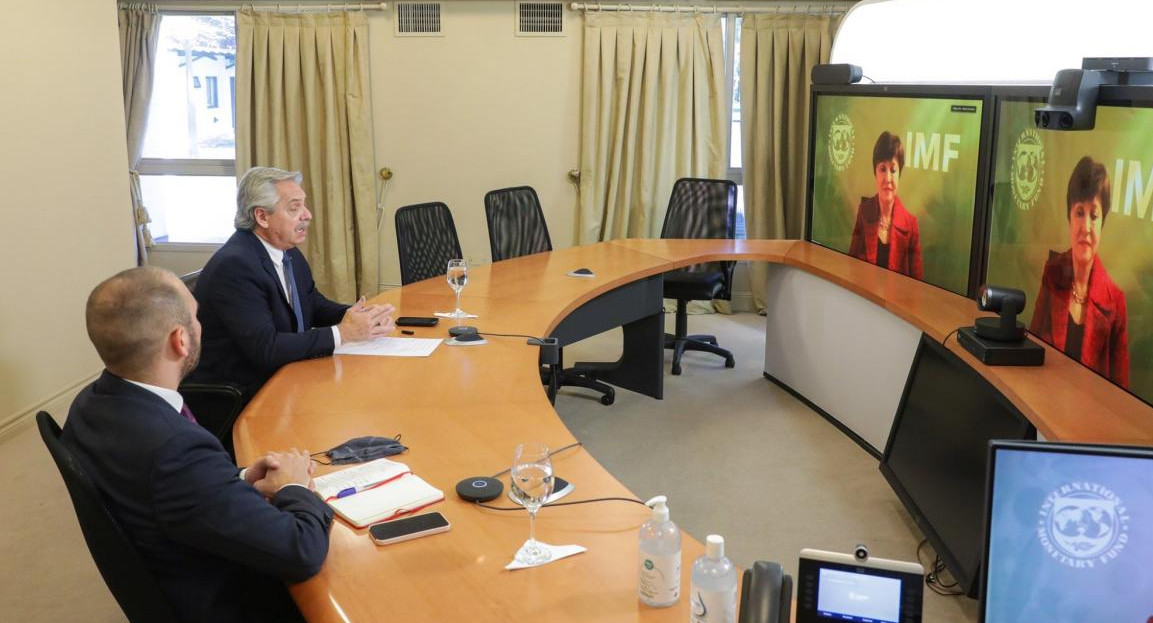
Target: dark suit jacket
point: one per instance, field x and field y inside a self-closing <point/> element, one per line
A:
<point x="904" y="237"/>
<point x="249" y="330"/>
<point x="220" y="551"/>
<point x="1105" y="348"/>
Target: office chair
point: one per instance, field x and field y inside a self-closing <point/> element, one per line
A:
<point x="190" y="279"/>
<point x="699" y="208"/>
<point x="215" y="405"/>
<point x="516" y="224"/>
<point x="124" y="571"/>
<point x="425" y="240"/>
<point x="516" y="227"/>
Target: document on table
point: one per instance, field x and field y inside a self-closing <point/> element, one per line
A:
<point x="391" y="347"/>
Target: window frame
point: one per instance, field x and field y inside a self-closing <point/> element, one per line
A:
<point x="195" y="167"/>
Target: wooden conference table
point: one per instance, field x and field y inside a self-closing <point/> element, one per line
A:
<point x="463" y="410"/>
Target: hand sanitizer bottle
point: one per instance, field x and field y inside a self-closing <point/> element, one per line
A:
<point x="714" y="587"/>
<point x="660" y="557"/>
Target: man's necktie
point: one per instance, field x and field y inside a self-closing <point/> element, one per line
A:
<point x="187" y="413"/>
<point x="293" y="294"/>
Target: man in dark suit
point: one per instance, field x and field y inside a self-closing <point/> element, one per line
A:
<point x="221" y="544"/>
<point x="258" y="304"/>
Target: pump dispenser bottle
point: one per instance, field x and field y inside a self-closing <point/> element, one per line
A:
<point x="660" y="557"/>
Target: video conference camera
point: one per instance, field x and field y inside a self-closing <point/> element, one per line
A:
<point x="1008" y="302"/>
<point x="1073" y="100"/>
<point x="1000" y="341"/>
<point x="1073" y="97"/>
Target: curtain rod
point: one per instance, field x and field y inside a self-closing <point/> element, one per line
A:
<point x="220" y="5"/>
<point x="797" y="9"/>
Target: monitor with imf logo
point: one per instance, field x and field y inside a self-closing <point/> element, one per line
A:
<point x="896" y="173"/>
<point x="1068" y="534"/>
<point x="1071" y="224"/>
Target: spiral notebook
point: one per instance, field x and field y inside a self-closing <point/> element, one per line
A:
<point x="402" y="495"/>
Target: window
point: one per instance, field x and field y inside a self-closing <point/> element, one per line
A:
<point x="188" y="169"/>
<point x="733" y="74"/>
<point x="213" y="96"/>
<point x="987" y="40"/>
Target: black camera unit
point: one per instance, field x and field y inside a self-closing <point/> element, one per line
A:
<point x="1073" y="97"/>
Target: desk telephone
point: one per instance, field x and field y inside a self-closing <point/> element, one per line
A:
<point x="766" y="594"/>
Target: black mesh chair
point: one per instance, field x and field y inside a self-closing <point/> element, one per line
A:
<point x="516" y="227"/>
<point x="425" y="240"/>
<point x="699" y="208"/>
<point x="215" y="405"/>
<point x="124" y="571"/>
<point x="516" y="224"/>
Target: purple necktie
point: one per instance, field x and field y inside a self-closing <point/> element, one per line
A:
<point x="187" y="413"/>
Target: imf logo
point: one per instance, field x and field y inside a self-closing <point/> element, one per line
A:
<point x="1083" y="525"/>
<point x="1028" y="169"/>
<point x="841" y="140"/>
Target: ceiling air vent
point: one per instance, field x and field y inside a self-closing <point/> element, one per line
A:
<point x="540" y="19"/>
<point x="418" y="19"/>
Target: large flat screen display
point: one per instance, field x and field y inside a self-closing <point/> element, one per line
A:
<point x="1071" y="224"/>
<point x="937" y="452"/>
<point x="894" y="182"/>
<point x="1069" y="535"/>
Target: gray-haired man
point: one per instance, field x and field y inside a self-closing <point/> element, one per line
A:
<point x="258" y="304"/>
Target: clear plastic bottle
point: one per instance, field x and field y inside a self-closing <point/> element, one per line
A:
<point x="659" y="583"/>
<point x="714" y="587"/>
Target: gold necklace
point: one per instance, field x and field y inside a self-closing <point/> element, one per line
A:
<point x="1080" y="297"/>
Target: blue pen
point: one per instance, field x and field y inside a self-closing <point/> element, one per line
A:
<point x="346" y="492"/>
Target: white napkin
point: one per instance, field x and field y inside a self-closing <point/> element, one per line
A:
<point x="449" y="315"/>
<point x="558" y="552"/>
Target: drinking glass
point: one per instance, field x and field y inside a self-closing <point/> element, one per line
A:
<point x="531" y="481"/>
<point x="457" y="278"/>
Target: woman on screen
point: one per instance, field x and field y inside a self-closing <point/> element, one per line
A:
<point x="1079" y="309"/>
<point x="885" y="233"/>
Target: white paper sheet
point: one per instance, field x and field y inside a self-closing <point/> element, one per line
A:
<point x="391" y="347"/>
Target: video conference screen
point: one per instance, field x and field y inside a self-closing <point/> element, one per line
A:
<point x="1070" y="535"/>
<point x="1072" y="226"/>
<point x="894" y="182"/>
<point x="937" y="452"/>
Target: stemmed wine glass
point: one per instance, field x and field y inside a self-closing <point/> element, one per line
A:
<point x="457" y="278"/>
<point x="531" y="480"/>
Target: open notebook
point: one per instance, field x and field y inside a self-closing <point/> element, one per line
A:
<point x="376" y="491"/>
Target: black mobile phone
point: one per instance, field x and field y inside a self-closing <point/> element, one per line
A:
<point x="407" y="528"/>
<point x="416" y="321"/>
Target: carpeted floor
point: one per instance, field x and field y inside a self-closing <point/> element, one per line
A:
<point x="736" y="455"/>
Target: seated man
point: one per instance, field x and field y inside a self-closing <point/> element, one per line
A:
<point x="220" y="544"/>
<point x="258" y="304"/>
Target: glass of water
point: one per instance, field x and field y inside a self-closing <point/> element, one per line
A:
<point x="531" y="480"/>
<point x="457" y="278"/>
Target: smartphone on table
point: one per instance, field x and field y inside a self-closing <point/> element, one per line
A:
<point x="417" y="321"/>
<point x="407" y="528"/>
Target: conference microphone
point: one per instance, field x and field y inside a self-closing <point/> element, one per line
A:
<point x="549" y="346"/>
<point x="479" y="489"/>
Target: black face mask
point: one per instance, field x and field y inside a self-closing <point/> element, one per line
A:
<point x="363" y="449"/>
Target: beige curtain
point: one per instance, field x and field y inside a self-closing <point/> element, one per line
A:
<point x="777" y="54"/>
<point x="139" y="30"/>
<point x="302" y="103"/>
<point x="653" y="110"/>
